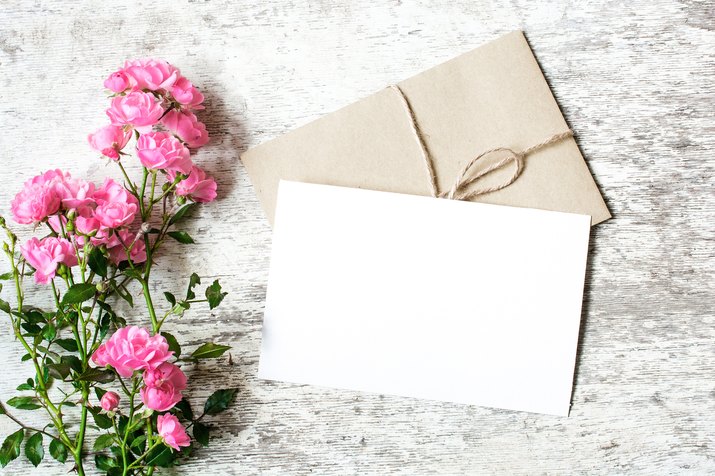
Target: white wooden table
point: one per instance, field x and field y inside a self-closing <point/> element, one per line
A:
<point x="635" y="81"/>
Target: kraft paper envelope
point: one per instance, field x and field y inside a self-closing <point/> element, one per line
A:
<point x="423" y="297"/>
<point x="493" y="96"/>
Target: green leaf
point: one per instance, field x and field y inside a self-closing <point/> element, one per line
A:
<point x="58" y="450"/>
<point x="73" y="361"/>
<point x="78" y="293"/>
<point x="49" y="332"/>
<point x="97" y="262"/>
<point x="34" y="317"/>
<point x="59" y="371"/>
<point x="138" y="445"/>
<point x="185" y="408"/>
<point x="4" y="306"/>
<point x="214" y="294"/>
<point x="179" y="214"/>
<point x="161" y="456"/>
<point x="173" y="344"/>
<point x="2" y="409"/>
<point x="9" y="275"/>
<point x="31" y="329"/>
<point x="34" y="450"/>
<point x="11" y="447"/>
<point x="29" y="385"/>
<point x="170" y="297"/>
<point x="105" y="463"/>
<point x="209" y="350"/>
<point x="104" y="441"/>
<point x="181" y="237"/>
<point x="99" y="392"/>
<point x="96" y="375"/>
<point x="23" y="403"/>
<point x="102" y="421"/>
<point x="201" y="433"/>
<point x="219" y="401"/>
<point x="193" y="281"/>
<point x="67" y="344"/>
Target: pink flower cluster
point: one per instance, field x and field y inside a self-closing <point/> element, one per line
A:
<point x="100" y="214"/>
<point x="152" y="98"/>
<point x="131" y="349"/>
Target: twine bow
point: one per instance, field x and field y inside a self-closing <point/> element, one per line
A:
<point x="458" y="190"/>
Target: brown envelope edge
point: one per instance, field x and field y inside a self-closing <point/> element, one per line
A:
<point x="492" y="96"/>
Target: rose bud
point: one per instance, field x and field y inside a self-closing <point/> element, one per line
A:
<point x="109" y="401"/>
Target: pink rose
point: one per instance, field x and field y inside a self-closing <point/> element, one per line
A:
<point x="109" y="140"/>
<point x="137" y="109"/>
<point x="99" y="357"/>
<point x="186" y="94"/>
<point x="113" y="191"/>
<point x="86" y="224"/>
<point x="117" y="252"/>
<point x="54" y="222"/>
<point x="117" y="82"/>
<point x="109" y="401"/>
<point x="197" y="186"/>
<point x="45" y="255"/>
<point x="33" y="204"/>
<point x="39" y="197"/>
<point x="115" y="205"/>
<point x="172" y="432"/>
<point x="151" y="74"/>
<point x="50" y="178"/>
<point x="75" y="193"/>
<point x="132" y="348"/>
<point x="115" y="214"/>
<point x="162" y="387"/>
<point x="187" y="127"/>
<point x="163" y="151"/>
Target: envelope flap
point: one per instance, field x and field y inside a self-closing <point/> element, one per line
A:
<point x="489" y="97"/>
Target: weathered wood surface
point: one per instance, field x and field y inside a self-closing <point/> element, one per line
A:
<point x="634" y="79"/>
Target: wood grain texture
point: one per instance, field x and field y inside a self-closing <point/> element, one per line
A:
<point x="635" y="81"/>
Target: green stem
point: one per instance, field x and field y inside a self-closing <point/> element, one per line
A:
<point x="128" y="428"/>
<point x="126" y="177"/>
<point x="150" y="306"/>
<point x="144" y="455"/>
<point x="26" y="427"/>
<point x="41" y="390"/>
<point x="79" y="442"/>
<point x="143" y="192"/>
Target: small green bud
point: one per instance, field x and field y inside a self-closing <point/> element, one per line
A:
<point x="2" y="221"/>
<point x="102" y="286"/>
<point x="72" y="214"/>
<point x="69" y="226"/>
<point x="165" y="187"/>
<point x="180" y="199"/>
<point x="5" y="248"/>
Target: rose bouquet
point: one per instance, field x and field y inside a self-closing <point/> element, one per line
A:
<point x="111" y="390"/>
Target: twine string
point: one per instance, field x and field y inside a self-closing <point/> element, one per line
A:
<point x="458" y="190"/>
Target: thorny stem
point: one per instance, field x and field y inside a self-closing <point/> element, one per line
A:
<point x="41" y="390"/>
<point x="26" y="427"/>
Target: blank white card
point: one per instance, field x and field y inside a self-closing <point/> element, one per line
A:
<point x="422" y="297"/>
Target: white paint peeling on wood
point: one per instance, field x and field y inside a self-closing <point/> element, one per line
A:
<point x="635" y="81"/>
